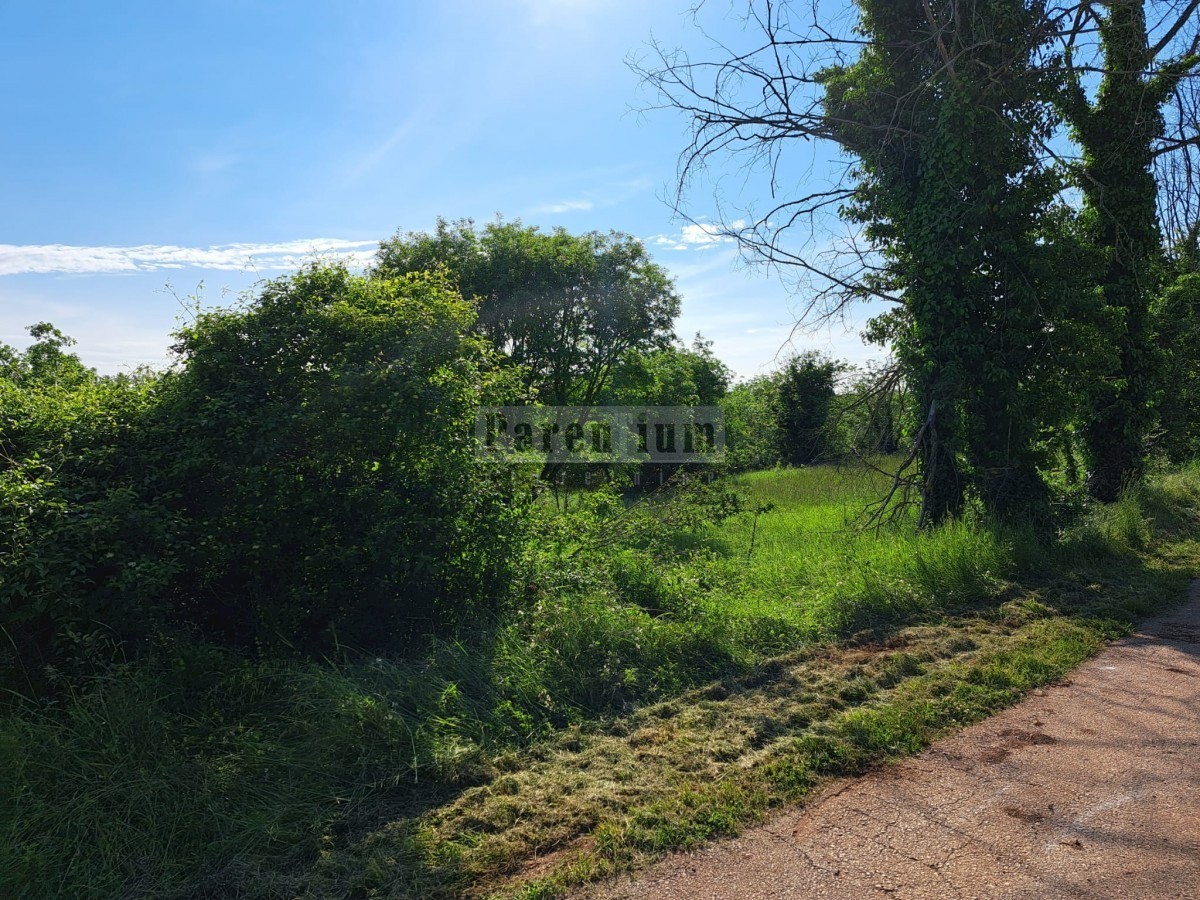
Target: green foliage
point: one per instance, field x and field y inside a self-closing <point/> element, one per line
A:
<point x="806" y="398"/>
<point x="1118" y="133"/>
<point x="196" y="771"/>
<point x="785" y="417"/>
<point x="752" y="438"/>
<point x="868" y="416"/>
<point x="565" y="308"/>
<point x="670" y="376"/>
<point x="1177" y="323"/>
<point x="1023" y="277"/>
<point x="304" y="479"/>
<point x="951" y="194"/>
<point x="46" y="362"/>
<point x="85" y="543"/>
<point x="321" y="452"/>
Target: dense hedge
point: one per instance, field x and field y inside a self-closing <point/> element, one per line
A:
<point x="304" y="477"/>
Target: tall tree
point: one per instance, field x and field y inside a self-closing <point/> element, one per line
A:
<point x="1121" y="132"/>
<point x="941" y="107"/>
<point x="807" y="385"/>
<point x="565" y="307"/>
<point x="950" y="192"/>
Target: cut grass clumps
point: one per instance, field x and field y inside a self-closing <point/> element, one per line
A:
<point x="674" y="775"/>
<point x="716" y="760"/>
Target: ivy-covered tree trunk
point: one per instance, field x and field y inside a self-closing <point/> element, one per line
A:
<point x="1117" y="134"/>
<point x="943" y="109"/>
<point x="938" y="444"/>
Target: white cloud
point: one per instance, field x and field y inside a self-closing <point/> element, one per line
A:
<point x="697" y="236"/>
<point x="23" y="259"/>
<point x="563" y="207"/>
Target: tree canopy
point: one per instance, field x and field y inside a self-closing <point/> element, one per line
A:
<point x="1022" y="316"/>
<point x="564" y="307"/>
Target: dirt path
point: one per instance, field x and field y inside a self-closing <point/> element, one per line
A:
<point x="1090" y="788"/>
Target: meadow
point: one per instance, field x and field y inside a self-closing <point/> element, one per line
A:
<point x="671" y="680"/>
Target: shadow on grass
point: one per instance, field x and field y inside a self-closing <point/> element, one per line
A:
<point x="623" y="756"/>
<point x="713" y="760"/>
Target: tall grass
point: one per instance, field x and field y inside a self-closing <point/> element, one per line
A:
<point x="195" y="767"/>
<point x="807" y="561"/>
<point x="137" y="777"/>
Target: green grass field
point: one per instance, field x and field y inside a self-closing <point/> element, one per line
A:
<point x="813" y="566"/>
<point x="657" y="693"/>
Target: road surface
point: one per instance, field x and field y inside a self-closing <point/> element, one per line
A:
<point x="1089" y="788"/>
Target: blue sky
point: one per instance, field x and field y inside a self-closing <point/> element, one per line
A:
<point x="152" y="147"/>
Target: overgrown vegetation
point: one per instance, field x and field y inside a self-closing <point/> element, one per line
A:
<point x="305" y="478"/>
<point x="1021" y="317"/>
<point x="269" y="633"/>
<point x="661" y="685"/>
<point x="269" y="627"/>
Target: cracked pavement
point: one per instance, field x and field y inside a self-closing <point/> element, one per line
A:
<point x="1088" y="788"/>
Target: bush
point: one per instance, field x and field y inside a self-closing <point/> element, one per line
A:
<point x="305" y="478"/>
<point x="86" y="546"/>
<point x="752" y="425"/>
<point x="1178" y="320"/>
<point x="321" y="450"/>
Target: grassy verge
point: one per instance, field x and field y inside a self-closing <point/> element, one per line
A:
<point x="645" y="699"/>
<point x="593" y="802"/>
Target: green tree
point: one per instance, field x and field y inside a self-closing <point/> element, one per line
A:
<point x="944" y="107"/>
<point x="752" y="437"/>
<point x="943" y="111"/>
<point x="869" y="414"/>
<point x="565" y="308"/>
<point x="303" y="479"/>
<point x="806" y="387"/>
<point x="47" y="361"/>
<point x="1119" y="133"/>
<point x="670" y="376"/>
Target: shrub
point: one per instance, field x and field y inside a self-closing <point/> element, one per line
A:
<point x="305" y="478"/>
<point x="752" y="424"/>
<point x="320" y="449"/>
<point x="85" y="546"/>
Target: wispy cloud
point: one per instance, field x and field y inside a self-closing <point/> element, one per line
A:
<point x="565" y="206"/>
<point x="562" y="13"/>
<point x="24" y="259"/>
<point x="213" y="163"/>
<point x="697" y="236"/>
